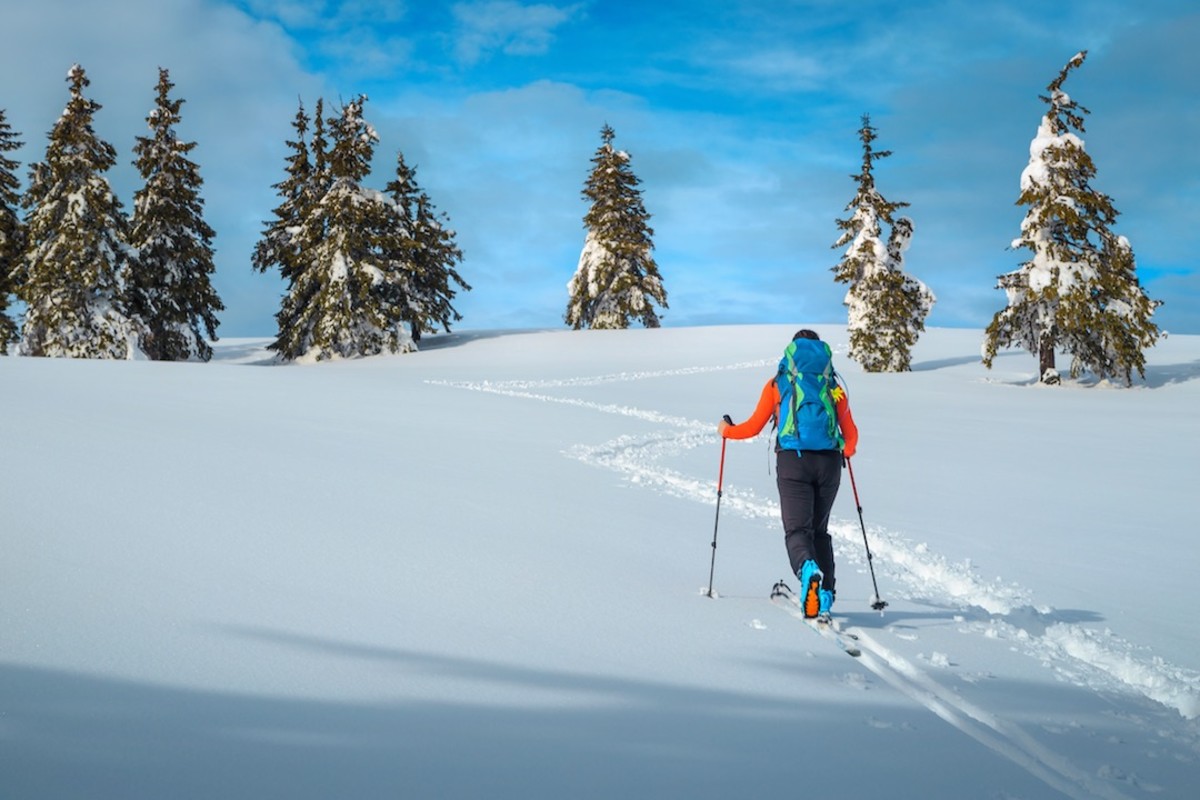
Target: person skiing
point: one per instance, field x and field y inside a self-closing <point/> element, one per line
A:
<point x="815" y="432"/>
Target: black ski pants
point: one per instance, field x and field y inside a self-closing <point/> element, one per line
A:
<point x="808" y="484"/>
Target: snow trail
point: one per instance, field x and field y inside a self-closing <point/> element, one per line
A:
<point x="1096" y="661"/>
<point x="1000" y="736"/>
<point x="992" y="609"/>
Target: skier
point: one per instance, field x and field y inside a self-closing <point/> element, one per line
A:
<point x="815" y="433"/>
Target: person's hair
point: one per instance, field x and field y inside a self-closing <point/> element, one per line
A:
<point x="805" y="333"/>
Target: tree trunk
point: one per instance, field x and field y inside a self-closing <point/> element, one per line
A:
<point x="1046" y="370"/>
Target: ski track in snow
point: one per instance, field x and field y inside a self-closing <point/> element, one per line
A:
<point x="991" y="731"/>
<point x="1096" y="661"/>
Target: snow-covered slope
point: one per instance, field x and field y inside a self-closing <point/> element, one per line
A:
<point x="480" y="571"/>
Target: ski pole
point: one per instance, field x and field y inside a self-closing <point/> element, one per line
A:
<point x="720" y="480"/>
<point x="876" y="603"/>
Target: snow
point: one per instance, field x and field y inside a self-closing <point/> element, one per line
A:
<point x="479" y="570"/>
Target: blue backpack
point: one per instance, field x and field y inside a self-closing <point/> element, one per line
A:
<point x="807" y="414"/>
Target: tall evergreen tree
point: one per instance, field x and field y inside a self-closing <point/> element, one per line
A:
<point x="1079" y="291"/>
<point x="77" y="255"/>
<point x="276" y="247"/>
<point x="343" y="299"/>
<point x="616" y="279"/>
<point x="12" y="232"/>
<point x="307" y="180"/>
<point x="427" y="256"/>
<point x="887" y="307"/>
<point x="172" y="291"/>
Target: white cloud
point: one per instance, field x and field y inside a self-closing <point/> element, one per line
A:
<point x="328" y="15"/>
<point x="782" y="70"/>
<point x="508" y="27"/>
<point x="352" y="39"/>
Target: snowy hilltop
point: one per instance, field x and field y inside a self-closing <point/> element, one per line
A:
<point x="480" y="570"/>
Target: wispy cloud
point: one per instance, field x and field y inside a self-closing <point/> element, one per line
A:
<point x="509" y="27"/>
<point x="349" y="38"/>
<point x="327" y="15"/>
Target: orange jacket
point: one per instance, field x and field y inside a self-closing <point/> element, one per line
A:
<point x="768" y="408"/>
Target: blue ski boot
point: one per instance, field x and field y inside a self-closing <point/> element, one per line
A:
<point x="825" y="605"/>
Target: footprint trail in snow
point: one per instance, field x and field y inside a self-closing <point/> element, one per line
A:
<point x="1000" y="614"/>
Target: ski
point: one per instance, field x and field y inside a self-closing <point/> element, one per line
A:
<point x="783" y="596"/>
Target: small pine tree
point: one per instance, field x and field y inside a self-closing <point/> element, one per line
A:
<point x="172" y="290"/>
<point x="1079" y="292"/>
<point x="77" y="254"/>
<point x="12" y="233"/>
<point x="887" y="307"/>
<point x="616" y="279"/>
<point x="427" y="255"/>
<point x="342" y="301"/>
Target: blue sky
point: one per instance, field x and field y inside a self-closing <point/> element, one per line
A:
<point x="740" y="118"/>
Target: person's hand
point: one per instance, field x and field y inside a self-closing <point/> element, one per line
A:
<point x="725" y="422"/>
<point x="848" y="452"/>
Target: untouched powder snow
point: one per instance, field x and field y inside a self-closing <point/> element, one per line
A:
<point x="480" y="570"/>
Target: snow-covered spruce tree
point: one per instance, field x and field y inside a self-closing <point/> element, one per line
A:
<point x="616" y="279"/>
<point x="77" y="254"/>
<point x="306" y="182"/>
<point x="343" y="302"/>
<point x="12" y="232"/>
<point x="171" y="290"/>
<point x="1079" y="291"/>
<point x="887" y="307"/>
<point x="429" y="255"/>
